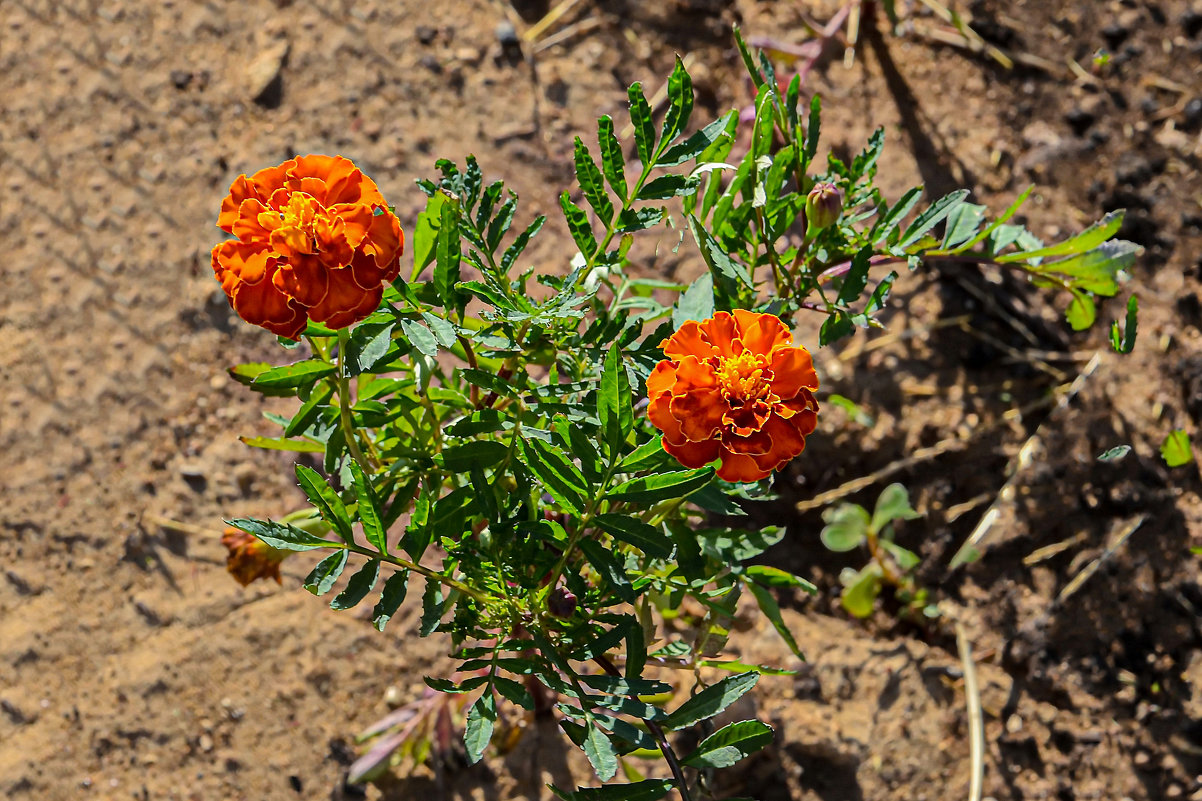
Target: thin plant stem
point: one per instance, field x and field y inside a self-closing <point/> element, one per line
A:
<point x="344" y="405"/>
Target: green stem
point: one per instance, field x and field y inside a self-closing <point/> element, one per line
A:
<point x="344" y="404"/>
<point x="422" y="569"/>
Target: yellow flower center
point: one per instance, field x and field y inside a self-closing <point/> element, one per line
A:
<point x="298" y="222"/>
<point x="742" y="377"/>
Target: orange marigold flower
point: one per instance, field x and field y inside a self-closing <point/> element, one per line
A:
<point x="250" y="558"/>
<point x="734" y="388"/>
<point x="315" y="241"/>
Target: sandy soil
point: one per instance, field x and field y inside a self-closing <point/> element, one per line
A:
<point x="132" y="666"/>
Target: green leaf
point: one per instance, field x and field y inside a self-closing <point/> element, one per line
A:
<point x="300" y="374"/>
<point x="730" y="744"/>
<point x="726" y="271"/>
<point x="644" y="457"/>
<point x="768" y="576"/>
<point x="680" y="103"/>
<point x="1081" y="311"/>
<point x="484" y="421"/>
<point x="327" y="502"/>
<point x="282" y="536"/>
<point x="417" y="532"/>
<point x="443" y="331"/>
<point x="667" y="186"/>
<point x="559" y="477"/>
<point x="857" y="277"/>
<point x="907" y="560"/>
<point x="245" y="374"/>
<point x="696" y="302"/>
<point x="448" y="255"/>
<point x="711" y="701"/>
<point x="812" y="128"/>
<point x="609" y="567"/>
<point x="433" y="606"/>
<point x="578" y="226"/>
<point x="614" y="404"/>
<point x="420" y="337"/>
<point x="932" y="217"/>
<point x="962" y="224"/>
<point x="478" y="453"/>
<point x="652" y="489"/>
<point x="859" y="595"/>
<point x="893" y="504"/>
<point x="1087" y="240"/>
<point x="846" y="527"/>
<point x="369" y="345"/>
<point x="358" y="587"/>
<point x="391" y="598"/>
<point x="699" y="142"/>
<point x="613" y="163"/>
<point x="487" y="380"/>
<point x="592" y="184"/>
<point x="519" y="244"/>
<point x="322" y="577"/>
<point x="891" y="219"/>
<point x="640" y="118"/>
<point x="293" y="445"/>
<point x="1096" y="271"/>
<point x="633" y="220"/>
<point x="633" y="531"/>
<point x="425" y="231"/>
<point x="309" y="411"/>
<point x="1175" y="450"/>
<point x="1124" y="342"/>
<point x="647" y="790"/>
<point x="1114" y="454"/>
<point x="600" y="753"/>
<point x="477" y="732"/>
<point x="369" y="509"/>
<point x="771" y="610"/>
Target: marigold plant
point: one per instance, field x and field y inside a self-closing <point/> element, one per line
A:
<point x="547" y="466"/>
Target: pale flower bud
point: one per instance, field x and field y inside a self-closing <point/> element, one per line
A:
<point x="824" y="205"/>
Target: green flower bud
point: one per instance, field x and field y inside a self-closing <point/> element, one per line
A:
<point x="824" y="205"/>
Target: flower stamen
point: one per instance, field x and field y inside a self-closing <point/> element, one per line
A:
<point x="742" y="377"/>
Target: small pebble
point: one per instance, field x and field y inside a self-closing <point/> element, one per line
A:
<point x="425" y="34"/>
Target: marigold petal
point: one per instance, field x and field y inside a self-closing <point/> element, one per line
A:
<point x="737" y="467"/>
<point x="357" y="219"/>
<point x="248" y="226"/>
<point x="269" y="179"/>
<point x="240" y="190"/>
<point x="660" y="414"/>
<point x="304" y="278"/>
<point x="693" y="454"/>
<point x="689" y="340"/>
<point x="792" y="371"/>
<point x="721" y="332"/>
<point x="263" y="304"/>
<point x="753" y="443"/>
<point x="346" y="302"/>
<point x="242" y="262"/>
<point x="743" y="420"/>
<point x="700" y="413"/>
<point x="760" y="333"/>
<point x="385" y="242"/>
<point x="787" y="439"/>
<point x="661" y="379"/>
<point x="801" y="411"/>
<point x="693" y="374"/>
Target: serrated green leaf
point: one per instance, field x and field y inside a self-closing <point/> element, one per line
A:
<point x="369" y="509"/>
<point x="391" y="598"/>
<point x="647" y="790"/>
<point x="652" y="489"/>
<point x="614" y="404"/>
<point x="613" y="163"/>
<point x="813" y="126"/>
<point x="727" y="273"/>
<point x="667" y="186"/>
<point x="280" y="444"/>
<point x="477" y="732"/>
<point x="609" y="568"/>
<point x="420" y="337"/>
<point x="447" y="255"/>
<point x="962" y="224"/>
<point x="771" y="609"/>
<point x="696" y="302"/>
<point x="484" y="421"/>
<point x="640" y="118"/>
<point x="592" y="184"/>
<point x="443" y="331"/>
<point x="769" y="576"/>
<point x="644" y="457"/>
<point x="369" y="344"/>
<point x="680" y="104"/>
<point x="711" y="701"/>
<point x="892" y="504"/>
<point x="1175" y="450"/>
<point x="632" y="220"/>
<point x="478" y="453"/>
<point x="358" y="587"/>
<point x="578" y="226"/>
<point x="558" y="476"/>
<point x="931" y="217"/>
<point x="327" y="502"/>
<point x="698" y="143"/>
<point x="299" y="374"/>
<point x="1092" y="237"/>
<point x="730" y="744"/>
<point x="600" y="752"/>
<point x="425" y="232"/>
<point x="433" y="606"/>
<point x="322" y="577"/>
<point x="515" y="250"/>
<point x="633" y="531"/>
<point x="892" y="218"/>
<point x="857" y="277"/>
<point x="282" y="536"/>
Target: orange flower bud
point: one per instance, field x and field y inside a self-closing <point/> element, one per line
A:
<point x="734" y="388"/>
<point x="250" y="558"/>
<point x="315" y="241"/>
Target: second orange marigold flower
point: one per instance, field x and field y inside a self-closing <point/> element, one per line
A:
<point x="315" y="241"/>
<point x="735" y="388"/>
